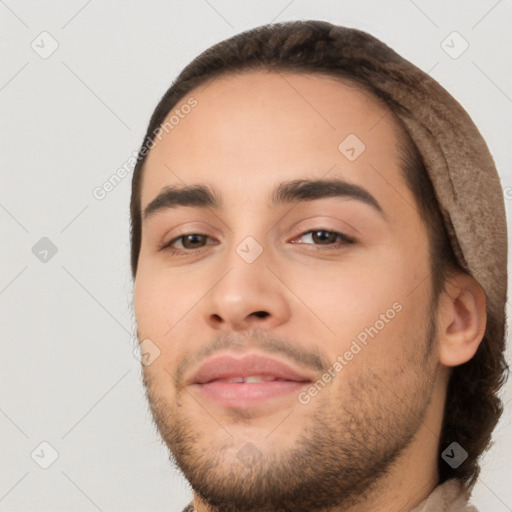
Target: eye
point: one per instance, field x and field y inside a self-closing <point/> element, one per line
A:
<point x="186" y="242"/>
<point x="322" y="238"/>
<point x="325" y="238"/>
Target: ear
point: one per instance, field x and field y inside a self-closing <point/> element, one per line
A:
<point x="462" y="319"/>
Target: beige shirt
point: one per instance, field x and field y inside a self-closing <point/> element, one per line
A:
<point x="450" y="496"/>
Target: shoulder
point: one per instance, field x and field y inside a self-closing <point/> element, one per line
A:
<point x="450" y="496"/>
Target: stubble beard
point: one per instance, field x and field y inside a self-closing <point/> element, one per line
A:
<point x="347" y="445"/>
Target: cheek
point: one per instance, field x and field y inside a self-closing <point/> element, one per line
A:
<point x="159" y="305"/>
<point x="382" y="296"/>
<point x="160" y="302"/>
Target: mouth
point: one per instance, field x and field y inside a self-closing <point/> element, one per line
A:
<point x="242" y="382"/>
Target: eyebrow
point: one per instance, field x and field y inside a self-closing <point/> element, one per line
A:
<point x="203" y="196"/>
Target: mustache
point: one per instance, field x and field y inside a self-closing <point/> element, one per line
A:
<point x="312" y="358"/>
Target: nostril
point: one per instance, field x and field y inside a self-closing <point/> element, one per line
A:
<point x="260" y="314"/>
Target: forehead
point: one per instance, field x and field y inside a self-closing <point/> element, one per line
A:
<point x="248" y="131"/>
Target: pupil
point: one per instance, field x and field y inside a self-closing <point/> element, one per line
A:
<point x="322" y="238"/>
<point x="192" y="238"/>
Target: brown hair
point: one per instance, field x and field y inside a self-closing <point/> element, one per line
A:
<point x="472" y="405"/>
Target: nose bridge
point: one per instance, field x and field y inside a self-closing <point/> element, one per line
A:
<point x="246" y="292"/>
<point x="248" y="248"/>
<point x="246" y="278"/>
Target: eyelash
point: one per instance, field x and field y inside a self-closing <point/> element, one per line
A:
<point x="346" y="240"/>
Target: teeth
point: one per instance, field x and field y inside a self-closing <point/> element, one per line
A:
<point x="251" y="378"/>
<point x="255" y="378"/>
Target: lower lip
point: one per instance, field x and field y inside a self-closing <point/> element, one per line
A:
<point x="247" y="394"/>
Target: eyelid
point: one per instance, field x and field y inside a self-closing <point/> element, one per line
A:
<point x="346" y="239"/>
<point x="325" y="222"/>
<point x="167" y="244"/>
<point x="188" y="228"/>
<point x="312" y="223"/>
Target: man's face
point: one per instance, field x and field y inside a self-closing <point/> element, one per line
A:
<point x="342" y="322"/>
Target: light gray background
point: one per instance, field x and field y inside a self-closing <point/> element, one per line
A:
<point x="68" y="374"/>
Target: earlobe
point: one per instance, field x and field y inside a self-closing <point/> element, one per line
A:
<point x="462" y="320"/>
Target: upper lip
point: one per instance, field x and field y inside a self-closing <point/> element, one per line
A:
<point x="228" y="367"/>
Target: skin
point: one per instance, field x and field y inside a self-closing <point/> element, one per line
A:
<point x="369" y="439"/>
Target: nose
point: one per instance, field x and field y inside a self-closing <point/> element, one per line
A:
<point x="245" y="296"/>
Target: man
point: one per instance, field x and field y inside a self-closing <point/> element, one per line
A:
<point x="319" y="254"/>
